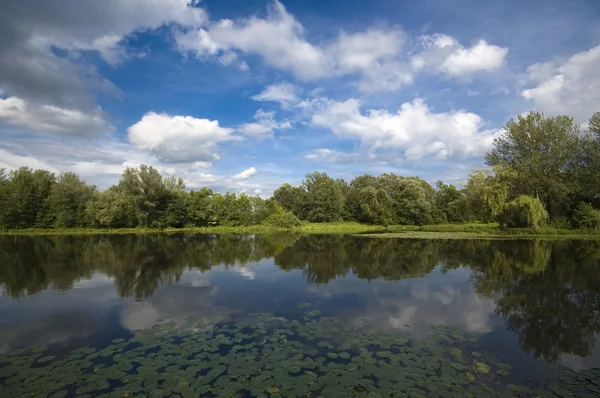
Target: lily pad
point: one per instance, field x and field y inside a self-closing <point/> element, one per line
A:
<point x="482" y="367"/>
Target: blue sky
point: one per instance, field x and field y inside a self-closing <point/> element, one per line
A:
<point x="243" y="95"/>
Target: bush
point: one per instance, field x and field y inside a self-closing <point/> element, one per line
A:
<point x="585" y="216"/>
<point x="524" y="212"/>
<point x="283" y="220"/>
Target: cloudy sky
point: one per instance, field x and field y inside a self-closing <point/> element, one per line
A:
<point x="243" y="95"/>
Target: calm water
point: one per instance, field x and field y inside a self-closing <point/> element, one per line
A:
<point x="291" y="315"/>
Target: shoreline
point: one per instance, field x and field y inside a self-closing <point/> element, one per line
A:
<point x="443" y="231"/>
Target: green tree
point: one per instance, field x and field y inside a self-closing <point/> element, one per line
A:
<point x="486" y="195"/>
<point x="68" y="201"/>
<point x="524" y="212"/>
<point x="452" y="202"/>
<point x="292" y="199"/>
<point x="112" y="208"/>
<point x="24" y="198"/>
<point x="324" y="199"/>
<point x="536" y="151"/>
<point x="586" y="173"/>
<point x="200" y="211"/>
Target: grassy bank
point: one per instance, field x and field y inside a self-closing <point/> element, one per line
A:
<point x="443" y="231"/>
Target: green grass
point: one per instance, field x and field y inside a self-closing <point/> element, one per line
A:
<point x="441" y="231"/>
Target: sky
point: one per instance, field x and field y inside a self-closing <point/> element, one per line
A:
<point x="244" y="95"/>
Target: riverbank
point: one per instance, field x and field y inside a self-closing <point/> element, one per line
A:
<point x="443" y="231"/>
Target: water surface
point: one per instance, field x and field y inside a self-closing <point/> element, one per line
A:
<point x="291" y="315"/>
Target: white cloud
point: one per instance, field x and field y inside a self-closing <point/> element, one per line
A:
<point x="244" y="175"/>
<point x="376" y="55"/>
<point x="283" y="93"/>
<point x="52" y="119"/>
<point x="264" y="126"/>
<point x="572" y="87"/>
<point x="278" y="39"/>
<point x="443" y="54"/>
<point x="178" y="138"/>
<point x="373" y="54"/>
<point x="414" y="129"/>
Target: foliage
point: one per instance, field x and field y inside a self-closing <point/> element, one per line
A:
<point x="486" y="195"/>
<point x="324" y="198"/>
<point x="535" y="151"/>
<point x="524" y="212"/>
<point x="283" y="220"/>
<point x="259" y="355"/>
<point x="585" y="216"/>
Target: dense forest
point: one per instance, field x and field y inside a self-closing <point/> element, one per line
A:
<point x="542" y="170"/>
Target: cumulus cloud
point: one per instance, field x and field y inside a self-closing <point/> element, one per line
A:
<point x="444" y="54"/>
<point x="373" y="54"/>
<point x="52" y="85"/>
<point x="376" y="55"/>
<point x="283" y="93"/>
<point x="264" y="126"/>
<point x="278" y="38"/>
<point x="178" y="138"/>
<point x="244" y="175"/>
<point x="571" y="87"/>
<point x="414" y="129"/>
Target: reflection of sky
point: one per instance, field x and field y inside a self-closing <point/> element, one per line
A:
<point x="58" y="317"/>
<point x="192" y="295"/>
<point x="92" y="310"/>
<point x="415" y="304"/>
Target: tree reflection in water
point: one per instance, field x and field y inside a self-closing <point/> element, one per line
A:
<point x="548" y="292"/>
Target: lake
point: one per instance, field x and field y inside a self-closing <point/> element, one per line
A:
<point x="288" y="315"/>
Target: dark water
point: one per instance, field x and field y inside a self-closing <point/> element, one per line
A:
<point x="291" y="315"/>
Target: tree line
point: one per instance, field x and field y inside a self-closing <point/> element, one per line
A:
<point x="542" y="170"/>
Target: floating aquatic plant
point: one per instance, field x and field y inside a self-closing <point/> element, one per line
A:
<point x="276" y="357"/>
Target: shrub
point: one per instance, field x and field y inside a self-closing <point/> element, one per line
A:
<point x="585" y="216"/>
<point x="283" y="220"/>
<point x="524" y="212"/>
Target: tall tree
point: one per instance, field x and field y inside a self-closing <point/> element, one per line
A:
<point x="536" y="151"/>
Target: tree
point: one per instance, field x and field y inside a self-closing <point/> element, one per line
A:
<point x="324" y="199"/>
<point x="375" y="206"/>
<point x="586" y="173"/>
<point x="486" y="195"/>
<point x="112" y="208"/>
<point x="24" y="198"/>
<point x="292" y="199"/>
<point x="68" y="200"/>
<point x="594" y="124"/>
<point x="452" y="202"/>
<point x="200" y="211"/>
<point x="535" y="152"/>
<point x="524" y="212"/>
<point x="177" y="211"/>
